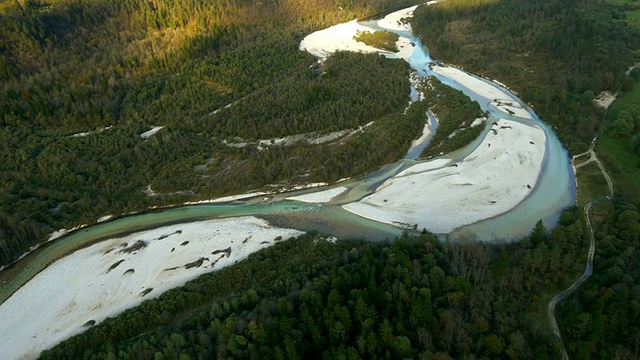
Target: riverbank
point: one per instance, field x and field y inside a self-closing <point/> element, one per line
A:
<point x="109" y="277"/>
<point x="444" y="195"/>
<point x="496" y="98"/>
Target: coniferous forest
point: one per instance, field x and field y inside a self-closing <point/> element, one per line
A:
<point x="81" y="80"/>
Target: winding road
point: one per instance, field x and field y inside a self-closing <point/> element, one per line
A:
<point x="592" y="244"/>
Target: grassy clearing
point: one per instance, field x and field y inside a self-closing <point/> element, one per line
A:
<point x="623" y="163"/>
<point x="633" y="15"/>
<point x="623" y="166"/>
<point x="591" y="184"/>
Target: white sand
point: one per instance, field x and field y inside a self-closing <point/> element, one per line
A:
<point x="148" y="134"/>
<point x="393" y="21"/>
<point x="104" y="218"/>
<point x="605" y="99"/>
<point x="306" y="186"/>
<point x="312" y="138"/>
<point x="441" y="196"/>
<point x="426" y="132"/>
<point x="83" y="134"/>
<point x="62" y="232"/>
<point x="239" y="197"/>
<point x="56" y="303"/>
<point x="321" y="196"/>
<point x="494" y="95"/>
<point x="323" y="43"/>
<point x="405" y="48"/>
<point x="425" y="166"/>
<point x="478" y="121"/>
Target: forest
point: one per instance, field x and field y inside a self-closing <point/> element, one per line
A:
<point x="455" y="113"/>
<point x="602" y="319"/>
<point x="81" y="80"/>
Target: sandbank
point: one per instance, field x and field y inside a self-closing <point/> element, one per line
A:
<point x="106" y="278"/>
<point x="321" y="196"/>
<point x="324" y="43"/>
<point x="441" y="196"/>
<point x="394" y="21"/>
<point x="148" y="134"/>
<point x="496" y="97"/>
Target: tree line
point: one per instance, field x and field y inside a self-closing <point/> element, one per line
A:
<point x="455" y="112"/>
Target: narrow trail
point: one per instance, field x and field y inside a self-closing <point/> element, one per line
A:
<point x="592" y="244"/>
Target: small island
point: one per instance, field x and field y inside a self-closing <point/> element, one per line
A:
<point x="384" y="40"/>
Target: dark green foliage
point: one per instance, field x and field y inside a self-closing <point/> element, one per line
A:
<point x="308" y="298"/>
<point x="602" y="320"/>
<point x="379" y="39"/>
<point x="342" y="96"/>
<point x="455" y="112"/>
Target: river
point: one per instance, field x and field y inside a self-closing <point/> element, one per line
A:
<point x="552" y="193"/>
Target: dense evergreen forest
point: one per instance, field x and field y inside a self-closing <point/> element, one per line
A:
<point x="80" y="81"/>
<point x="455" y="113"/>
<point x="602" y="319"/>
<point x="307" y="298"/>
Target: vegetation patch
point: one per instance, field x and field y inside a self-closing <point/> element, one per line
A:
<point x="620" y="144"/>
<point x="384" y="40"/>
<point x="455" y="112"/>
<point x="592" y="185"/>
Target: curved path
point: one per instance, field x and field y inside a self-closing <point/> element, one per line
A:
<point x="592" y="245"/>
